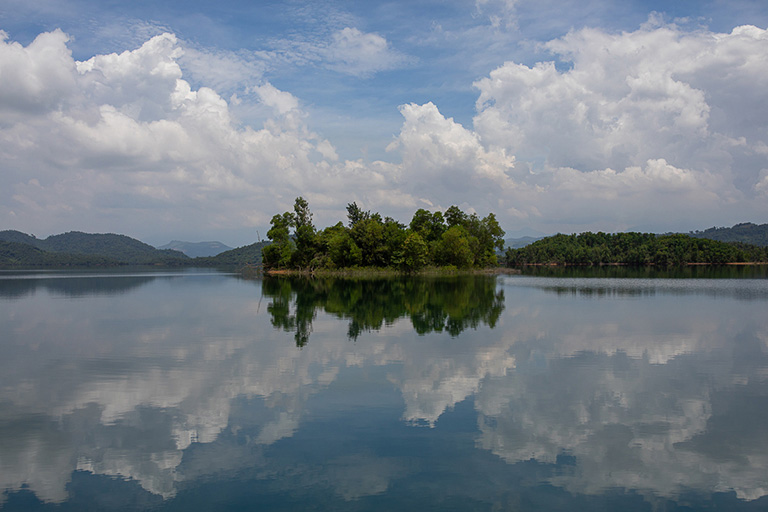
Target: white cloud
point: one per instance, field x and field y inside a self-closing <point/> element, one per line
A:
<point x="361" y="54"/>
<point x="444" y="163"/>
<point x="283" y="102"/>
<point x="34" y="78"/>
<point x="124" y="135"/>
<point x="655" y="99"/>
<point x="657" y="129"/>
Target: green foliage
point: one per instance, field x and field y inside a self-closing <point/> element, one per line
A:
<point x="291" y="252"/>
<point x="368" y="235"/>
<point x="371" y="241"/>
<point x="355" y="214"/>
<point x="430" y="226"/>
<point x="341" y="249"/>
<point x="278" y="254"/>
<point x="456" y="248"/>
<point x="415" y="253"/>
<point x="455" y="217"/>
<point x="632" y="249"/>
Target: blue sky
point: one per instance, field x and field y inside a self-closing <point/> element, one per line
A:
<point x="200" y="120"/>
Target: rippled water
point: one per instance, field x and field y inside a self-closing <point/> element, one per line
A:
<point x="204" y="391"/>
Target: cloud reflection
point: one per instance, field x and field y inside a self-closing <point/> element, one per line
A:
<point x="653" y="392"/>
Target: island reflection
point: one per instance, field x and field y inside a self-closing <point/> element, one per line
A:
<point x="442" y="304"/>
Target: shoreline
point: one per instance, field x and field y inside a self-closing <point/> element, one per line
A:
<point x="388" y="272"/>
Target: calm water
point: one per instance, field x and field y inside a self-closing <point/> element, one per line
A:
<point x="205" y="391"/>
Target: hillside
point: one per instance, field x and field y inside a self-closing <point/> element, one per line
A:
<point x="196" y="249"/>
<point x="247" y="255"/>
<point x="102" y="249"/>
<point x="747" y="233"/>
<point x="120" y="247"/>
<point x="19" y="237"/>
<point x="633" y="249"/>
<point x="517" y="243"/>
<point x="14" y="254"/>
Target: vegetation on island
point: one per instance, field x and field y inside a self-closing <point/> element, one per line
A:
<point x="455" y="239"/>
<point x="632" y="249"/>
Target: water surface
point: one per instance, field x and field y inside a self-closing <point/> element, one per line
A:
<point x="204" y="391"/>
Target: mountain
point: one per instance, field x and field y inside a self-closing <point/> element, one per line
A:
<point x="103" y="249"/>
<point x="746" y="232"/>
<point x="15" y="254"/>
<point x="517" y="243"/>
<point x="10" y="235"/>
<point x="196" y="249"/>
<point x="247" y="255"/>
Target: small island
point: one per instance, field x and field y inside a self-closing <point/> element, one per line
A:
<point x="454" y="240"/>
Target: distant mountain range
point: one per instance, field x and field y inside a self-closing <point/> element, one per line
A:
<point x="77" y="248"/>
<point x="517" y="243"/>
<point x="197" y="249"/>
<point x="96" y="250"/>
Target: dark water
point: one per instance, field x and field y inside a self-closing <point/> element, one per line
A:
<point x="204" y="391"/>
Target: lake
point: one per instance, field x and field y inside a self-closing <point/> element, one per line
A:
<point x="202" y="390"/>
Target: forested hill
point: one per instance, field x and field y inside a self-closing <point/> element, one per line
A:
<point x="197" y="249"/>
<point x="246" y="255"/>
<point x="633" y="249"/>
<point x="747" y="232"/>
<point x="69" y="249"/>
<point x="14" y="254"/>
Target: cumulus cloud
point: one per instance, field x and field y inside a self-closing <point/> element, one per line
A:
<point x="637" y="114"/>
<point x="659" y="128"/>
<point x="35" y="78"/>
<point x="442" y="159"/>
<point x="112" y="135"/>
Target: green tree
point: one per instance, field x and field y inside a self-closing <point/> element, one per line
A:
<point x="355" y="214"/>
<point x="455" y="217"/>
<point x="415" y="253"/>
<point x="305" y="235"/>
<point x="430" y="226"/>
<point x="278" y="254"/>
<point x="456" y="248"/>
<point x="341" y="249"/>
<point x="368" y="235"/>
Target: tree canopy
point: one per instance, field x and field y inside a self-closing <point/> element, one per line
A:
<point x="457" y="239"/>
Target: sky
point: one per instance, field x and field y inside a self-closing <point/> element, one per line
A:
<point x="197" y="121"/>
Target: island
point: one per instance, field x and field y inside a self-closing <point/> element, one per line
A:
<point x="454" y="240"/>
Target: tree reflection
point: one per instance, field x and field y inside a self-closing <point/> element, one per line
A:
<point x="440" y="304"/>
